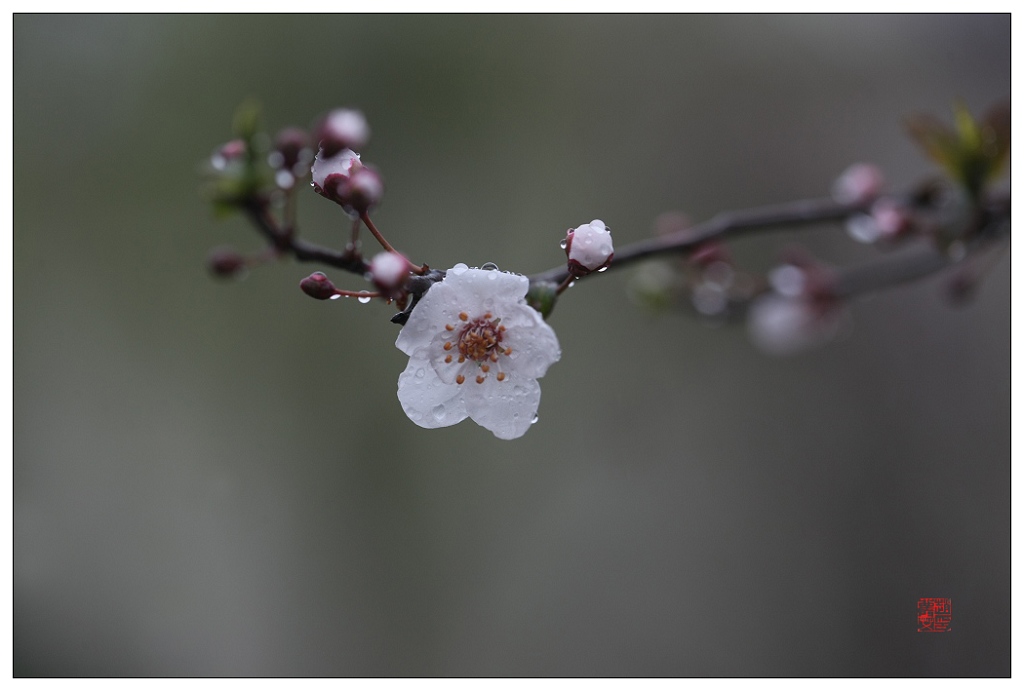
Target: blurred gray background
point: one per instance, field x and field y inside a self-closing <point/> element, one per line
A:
<point x="217" y="478"/>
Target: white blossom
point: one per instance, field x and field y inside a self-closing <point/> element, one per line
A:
<point x="476" y="350"/>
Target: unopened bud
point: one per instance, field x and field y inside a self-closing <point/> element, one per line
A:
<point x="361" y="190"/>
<point x="225" y="262"/>
<point x="389" y="271"/>
<point x="318" y="286"/>
<point x="892" y="218"/>
<point x="227" y="153"/>
<point x="342" y="129"/>
<point x="709" y="253"/>
<point x="783" y="326"/>
<point x="858" y="184"/>
<point x="329" y="172"/>
<point x="291" y="146"/>
<point x="589" y="248"/>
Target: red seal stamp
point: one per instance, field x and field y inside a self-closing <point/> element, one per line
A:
<point x="934" y="614"/>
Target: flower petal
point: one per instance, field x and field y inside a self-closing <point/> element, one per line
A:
<point x="427" y="400"/>
<point x="533" y="342"/>
<point x="505" y="408"/>
<point x="484" y="290"/>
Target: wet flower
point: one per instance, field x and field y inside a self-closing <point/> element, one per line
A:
<point x="589" y="248"/>
<point x="476" y="350"/>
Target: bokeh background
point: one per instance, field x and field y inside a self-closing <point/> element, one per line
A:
<point x="217" y="479"/>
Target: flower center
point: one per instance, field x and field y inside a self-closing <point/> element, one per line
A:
<point x="479" y="340"/>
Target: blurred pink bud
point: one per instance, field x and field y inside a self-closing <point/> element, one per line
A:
<point x="781" y="325"/>
<point x="318" y="286"/>
<point x="227" y="153"/>
<point x="858" y="184"/>
<point x="588" y="248"/>
<point x="342" y="129"/>
<point x="710" y="252"/>
<point x="225" y="262"/>
<point x="361" y="190"/>
<point x="291" y="146"/>
<point x="891" y="218"/>
<point x="389" y="271"/>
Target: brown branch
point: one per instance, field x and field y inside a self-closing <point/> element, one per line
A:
<point x="285" y="241"/>
<point x="733" y="223"/>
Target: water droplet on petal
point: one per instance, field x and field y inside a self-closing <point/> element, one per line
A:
<point x="563" y="244"/>
<point x="459" y="269"/>
<point x="364" y="299"/>
<point x="535" y="418"/>
<point x="493" y="275"/>
<point x="439" y="412"/>
<point x="518" y="391"/>
<point x="572" y="283"/>
<point x="490" y="266"/>
<point x="335" y="297"/>
<point x="602" y="269"/>
<point x="420" y="373"/>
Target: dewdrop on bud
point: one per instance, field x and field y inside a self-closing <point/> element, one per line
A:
<point x="389" y="271"/>
<point x="318" y="286"/>
<point x="589" y="248"/>
<point x="858" y="184"/>
<point x="361" y="190"/>
<point x="330" y="171"/>
<point x="342" y="129"/>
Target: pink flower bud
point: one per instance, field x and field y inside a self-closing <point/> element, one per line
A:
<point x="225" y="262"/>
<point x="227" y="153"/>
<point x="859" y="184"/>
<point x="291" y="146"/>
<point x="330" y="171"/>
<point x="708" y="253"/>
<point x="318" y="286"/>
<point x="342" y="129"/>
<point x="891" y="218"/>
<point x="589" y="248"/>
<point x="361" y="190"/>
<point x="389" y="271"/>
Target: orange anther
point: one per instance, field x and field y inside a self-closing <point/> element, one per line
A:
<point x="485" y="368"/>
<point x="501" y="376"/>
<point x="480" y="380"/>
<point x="463" y="316"/>
<point x="447" y="358"/>
<point x="449" y="327"/>
<point x="459" y="379"/>
<point x="448" y="345"/>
